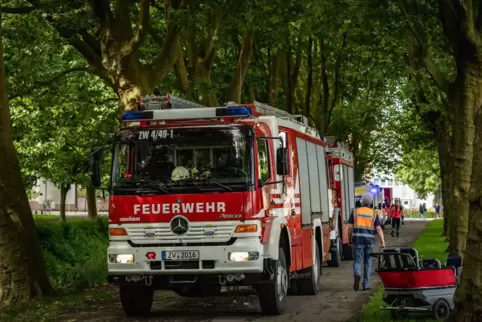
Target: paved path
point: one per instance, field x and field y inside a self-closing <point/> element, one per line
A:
<point x="336" y="302"/>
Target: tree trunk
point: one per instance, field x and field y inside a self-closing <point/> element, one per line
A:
<point x="464" y="99"/>
<point x="442" y="132"/>
<point x="91" y="201"/>
<point x="468" y="297"/>
<point x="274" y="78"/>
<point x="181" y="71"/>
<point x="207" y="94"/>
<point x="64" y="189"/>
<point x="290" y="69"/>
<point x="309" y="82"/>
<point x="323" y="123"/>
<point x="242" y="66"/>
<point x="22" y="270"/>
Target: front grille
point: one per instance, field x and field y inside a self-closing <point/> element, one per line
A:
<point x="144" y="244"/>
<point x="198" y="232"/>
<point x="157" y="265"/>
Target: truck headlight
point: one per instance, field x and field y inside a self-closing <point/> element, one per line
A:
<point x="243" y="256"/>
<point x="121" y="258"/>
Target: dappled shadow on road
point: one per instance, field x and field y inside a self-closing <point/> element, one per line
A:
<point x="336" y="301"/>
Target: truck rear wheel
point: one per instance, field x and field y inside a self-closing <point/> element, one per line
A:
<point x="311" y="286"/>
<point x="335" y="260"/>
<point x="136" y="300"/>
<point x="272" y="297"/>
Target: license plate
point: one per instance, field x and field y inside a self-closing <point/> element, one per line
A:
<point x="188" y="255"/>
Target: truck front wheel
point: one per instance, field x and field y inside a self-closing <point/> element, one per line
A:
<point x="272" y="297"/>
<point x="136" y="300"/>
<point x="311" y="286"/>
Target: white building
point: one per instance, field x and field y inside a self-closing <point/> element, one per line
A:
<point x="407" y="195"/>
<point x="46" y="192"/>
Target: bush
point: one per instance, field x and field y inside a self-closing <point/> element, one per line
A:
<point x="74" y="252"/>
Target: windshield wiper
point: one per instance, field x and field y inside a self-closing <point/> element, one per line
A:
<point x="199" y="183"/>
<point x="152" y="185"/>
<point x="220" y="185"/>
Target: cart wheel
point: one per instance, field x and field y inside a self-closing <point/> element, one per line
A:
<point x="399" y="314"/>
<point x="441" y="310"/>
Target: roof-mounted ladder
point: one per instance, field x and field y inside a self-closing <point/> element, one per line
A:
<point x="269" y="110"/>
<point x="167" y="102"/>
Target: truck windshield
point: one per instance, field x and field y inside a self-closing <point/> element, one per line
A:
<point x="176" y="160"/>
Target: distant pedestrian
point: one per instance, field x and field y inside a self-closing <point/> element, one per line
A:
<point x="364" y="224"/>
<point x="397" y="212"/>
<point x="424" y="210"/>
<point x="437" y="209"/>
<point x="420" y="211"/>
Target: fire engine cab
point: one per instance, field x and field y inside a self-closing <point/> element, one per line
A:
<point x="209" y="197"/>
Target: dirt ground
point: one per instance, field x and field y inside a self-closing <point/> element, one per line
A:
<point x="336" y="301"/>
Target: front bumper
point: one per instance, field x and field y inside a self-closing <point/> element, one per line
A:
<point x="212" y="259"/>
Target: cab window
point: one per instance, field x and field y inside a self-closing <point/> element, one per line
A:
<point x="263" y="160"/>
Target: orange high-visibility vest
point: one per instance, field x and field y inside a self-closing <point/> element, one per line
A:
<point x="363" y="226"/>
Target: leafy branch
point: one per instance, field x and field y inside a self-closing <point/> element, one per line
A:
<point x="45" y="83"/>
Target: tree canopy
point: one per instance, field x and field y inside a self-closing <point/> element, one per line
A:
<point x="402" y="93"/>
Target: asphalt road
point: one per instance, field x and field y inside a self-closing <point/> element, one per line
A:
<point x="336" y="301"/>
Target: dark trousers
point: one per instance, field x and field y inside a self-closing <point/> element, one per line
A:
<point x="395" y="224"/>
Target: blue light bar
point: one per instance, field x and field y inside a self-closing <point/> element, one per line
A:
<point x="374" y="191"/>
<point x="234" y="111"/>
<point x="135" y="116"/>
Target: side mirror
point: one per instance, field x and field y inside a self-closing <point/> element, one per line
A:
<point x="281" y="161"/>
<point x="95" y="157"/>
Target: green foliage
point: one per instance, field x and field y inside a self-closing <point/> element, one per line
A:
<point x="421" y="171"/>
<point x="56" y="116"/>
<point x="74" y="252"/>
<point x="355" y="69"/>
<point x="362" y="84"/>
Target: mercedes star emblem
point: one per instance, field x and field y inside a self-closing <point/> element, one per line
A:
<point x="179" y="225"/>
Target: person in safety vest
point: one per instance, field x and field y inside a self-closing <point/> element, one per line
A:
<point x="397" y="212"/>
<point x="364" y="224"/>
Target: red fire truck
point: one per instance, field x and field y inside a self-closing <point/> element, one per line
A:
<point x="210" y="197"/>
<point x="342" y="183"/>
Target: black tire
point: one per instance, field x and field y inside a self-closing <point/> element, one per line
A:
<point x="336" y="254"/>
<point x="441" y="310"/>
<point x="311" y="286"/>
<point x="347" y="252"/>
<point x="136" y="300"/>
<point x="272" y="296"/>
